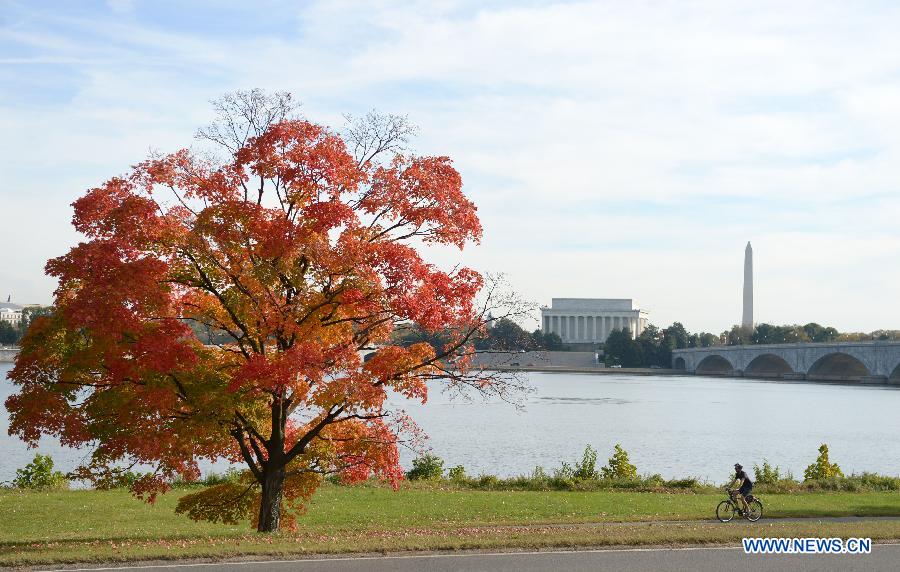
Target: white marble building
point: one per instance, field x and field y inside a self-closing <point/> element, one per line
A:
<point x="11" y="313"/>
<point x="591" y="320"/>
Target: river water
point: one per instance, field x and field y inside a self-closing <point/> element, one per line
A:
<point x="674" y="426"/>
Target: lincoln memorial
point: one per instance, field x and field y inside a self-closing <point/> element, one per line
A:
<point x="591" y="320"/>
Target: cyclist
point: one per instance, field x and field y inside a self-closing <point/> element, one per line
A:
<point x="743" y="481"/>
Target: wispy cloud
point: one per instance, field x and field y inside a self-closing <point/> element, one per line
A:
<point x="614" y="149"/>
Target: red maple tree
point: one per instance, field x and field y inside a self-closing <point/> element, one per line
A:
<point x="299" y="249"/>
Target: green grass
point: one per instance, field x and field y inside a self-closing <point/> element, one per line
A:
<point x="97" y="525"/>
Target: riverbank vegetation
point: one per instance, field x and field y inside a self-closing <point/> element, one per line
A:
<point x="582" y="503"/>
<point x="585" y="475"/>
<point x="619" y="474"/>
<point x="91" y="525"/>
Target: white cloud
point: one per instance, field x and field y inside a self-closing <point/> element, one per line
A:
<point x="615" y="149"/>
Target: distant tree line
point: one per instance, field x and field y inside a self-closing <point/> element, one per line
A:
<point x="771" y="334"/>
<point x="654" y="346"/>
<point x="500" y="335"/>
<point x="795" y="333"/>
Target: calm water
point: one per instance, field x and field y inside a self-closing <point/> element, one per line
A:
<point x="675" y="426"/>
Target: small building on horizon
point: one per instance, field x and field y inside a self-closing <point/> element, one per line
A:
<point x="591" y="320"/>
<point x="10" y="312"/>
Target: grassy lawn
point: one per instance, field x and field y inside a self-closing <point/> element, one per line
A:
<point x="111" y="525"/>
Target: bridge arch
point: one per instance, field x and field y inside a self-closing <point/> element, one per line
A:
<point x="838" y="366"/>
<point x="895" y="376"/>
<point x="679" y="363"/>
<point x="714" y="364"/>
<point x="768" y="365"/>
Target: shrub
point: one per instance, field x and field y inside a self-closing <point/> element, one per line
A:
<point x="586" y="470"/>
<point x="564" y="472"/>
<point x="681" y="483"/>
<point x="875" y="482"/>
<point x="39" y="474"/>
<point x="488" y="482"/>
<point x="231" y="475"/>
<point x="619" y="467"/>
<point x="426" y="467"/>
<point x="118" y="479"/>
<point x="823" y="468"/>
<point x="653" y="481"/>
<point x="457" y="474"/>
<point x="212" y="479"/>
<point x="539" y="477"/>
<point x="563" y="477"/>
<point x="767" y="474"/>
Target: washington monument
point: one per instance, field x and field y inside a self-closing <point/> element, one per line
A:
<point x="747" y="320"/>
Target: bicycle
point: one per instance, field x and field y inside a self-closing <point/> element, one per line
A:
<point x="728" y="508"/>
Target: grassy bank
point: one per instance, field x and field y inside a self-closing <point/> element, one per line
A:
<point x="103" y="525"/>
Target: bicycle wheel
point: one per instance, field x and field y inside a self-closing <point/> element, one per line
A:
<point x="755" y="510"/>
<point x="725" y="511"/>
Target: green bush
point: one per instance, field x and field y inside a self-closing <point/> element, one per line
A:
<point x="564" y="472"/>
<point x="118" y="478"/>
<point x="586" y="469"/>
<point x="563" y="477"/>
<point x="767" y="474"/>
<point x="865" y="482"/>
<point x="655" y="481"/>
<point x="871" y="481"/>
<point x="457" y="474"/>
<point x="488" y="482"/>
<point x="823" y="468"/>
<point x="538" y="478"/>
<point x="426" y="467"/>
<point x="39" y="474"/>
<point x="681" y="483"/>
<point x="231" y="475"/>
<point x="619" y="467"/>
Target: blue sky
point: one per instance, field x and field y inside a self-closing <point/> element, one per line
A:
<point x="614" y="149"/>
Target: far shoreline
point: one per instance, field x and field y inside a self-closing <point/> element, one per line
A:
<point x="597" y="370"/>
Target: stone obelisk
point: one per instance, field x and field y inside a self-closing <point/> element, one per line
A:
<point x="747" y="320"/>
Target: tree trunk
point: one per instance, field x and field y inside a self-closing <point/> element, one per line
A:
<point x="270" y="504"/>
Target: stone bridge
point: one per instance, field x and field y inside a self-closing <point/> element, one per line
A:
<point x="869" y="362"/>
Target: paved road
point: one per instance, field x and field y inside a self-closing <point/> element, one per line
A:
<point x="883" y="557"/>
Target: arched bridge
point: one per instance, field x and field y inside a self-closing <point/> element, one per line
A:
<point x="870" y="362"/>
